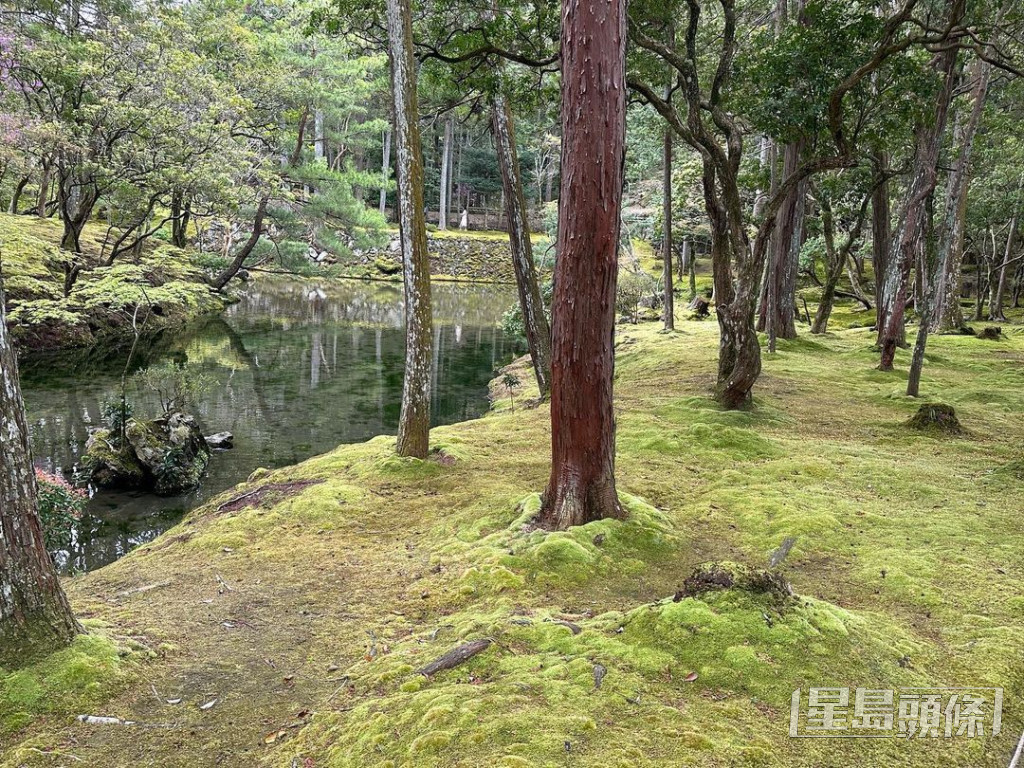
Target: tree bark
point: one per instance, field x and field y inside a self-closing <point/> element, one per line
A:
<point x="951" y="241"/>
<point x="909" y="242"/>
<point x="385" y="170"/>
<point x="538" y="331"/>
<point x="442" y="206"/>
<point x="582" y="483"/>
<point x="414" y="422"/>
<point x="35" y="617"/>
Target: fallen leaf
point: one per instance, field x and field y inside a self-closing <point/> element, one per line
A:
<point x="174" y="701"/>
<point x="209" y="704"/>
<point x="273" y="736"/>
<point x="690" y="677"/>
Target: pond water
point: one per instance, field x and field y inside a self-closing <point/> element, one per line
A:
<point x="300" y="367"/>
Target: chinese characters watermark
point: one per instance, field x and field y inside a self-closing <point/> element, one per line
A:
<point x="907" y="713"/>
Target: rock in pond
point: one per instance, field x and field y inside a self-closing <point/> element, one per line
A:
<point x="167" y="455"/>
<point x="220" y="441"/>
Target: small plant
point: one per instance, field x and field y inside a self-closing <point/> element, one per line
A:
<point x="511" y="381"/>
<point x="631" y="291"/>
<point x="116" y="415"/>
<point x="60" y="508"/>
<point x="177" y="386"/>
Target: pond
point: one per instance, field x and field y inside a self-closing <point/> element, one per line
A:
<point x="299" y="367"/>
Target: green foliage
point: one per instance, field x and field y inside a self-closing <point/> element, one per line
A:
<point x="177" y="386"/>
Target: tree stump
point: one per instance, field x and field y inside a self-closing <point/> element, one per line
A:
<point x="936" y="417"/>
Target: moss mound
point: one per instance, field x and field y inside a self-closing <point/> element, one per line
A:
<point x="936" y="417"/>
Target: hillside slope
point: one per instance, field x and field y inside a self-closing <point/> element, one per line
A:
<point x="283" y="623"/>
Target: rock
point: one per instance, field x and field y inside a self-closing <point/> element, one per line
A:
<point x="167" y="455"/>
<point x="220" y="441"/>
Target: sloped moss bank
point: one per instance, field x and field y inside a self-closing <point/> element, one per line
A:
<point x="304" y="602"/>
<point x="165" y="282"/>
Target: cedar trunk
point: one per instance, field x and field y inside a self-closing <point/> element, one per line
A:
<point x="582" y="483"/>
<point x="779" y="308"/>
<point x="414" y="422"/>
<point x="538" y="331"/>
<point x="35" y="618"/>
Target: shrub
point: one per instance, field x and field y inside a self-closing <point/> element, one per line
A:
<point x="60" y="508"/>
<point x="177" y="386"/>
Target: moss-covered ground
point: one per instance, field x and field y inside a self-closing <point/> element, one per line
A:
<point x="302" y="611"/>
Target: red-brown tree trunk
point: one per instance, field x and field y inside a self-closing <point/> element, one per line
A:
<point x="538" y="330"/>
<point x="582" y="484"/>
<point x="666" y="227"/>
<point x="35" y="618"/>
<point x="414" y="422"/>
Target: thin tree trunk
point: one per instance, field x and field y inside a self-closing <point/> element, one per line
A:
<point x="668" y="286"/>
<point x="910" y="240"/>
<point x="243" y="253"/>
<point x="35" y="617"/>
<point x="538" y="332"/>
<point x="995" y="307"/>
<point x="951" y="241"/>
<point x="933" y="268"/>
<point x="780" y="305"/>
<point x="582" y="483"/>
<point x="880" y="228"/>
<point x="414" y="422"/>
<point x="44" y="189"/>
<point x="385" y="171"/>
<point x="442" y="206"/>
<point x="16" y="195"/>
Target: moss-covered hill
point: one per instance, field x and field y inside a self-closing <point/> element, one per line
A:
<point x="283" y="623"/>
<point x="102" y="302"/>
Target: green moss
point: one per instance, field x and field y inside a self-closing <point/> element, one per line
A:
<point x="73" y="679"/>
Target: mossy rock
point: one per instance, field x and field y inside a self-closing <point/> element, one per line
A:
<point x="936" y="417"/>
<point x="167" y="455"/>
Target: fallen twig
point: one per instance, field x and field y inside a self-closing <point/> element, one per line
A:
<point x="455" y="656"/>
<point x="1018" y="753"/>
<point x="146" y="588"/>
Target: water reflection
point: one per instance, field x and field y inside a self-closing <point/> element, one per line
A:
<point x="300" y="368"/>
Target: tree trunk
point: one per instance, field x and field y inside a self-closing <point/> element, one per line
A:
<point x="442" y="206"/>
<point x="933" y="266"/>
<point x="385" y="171"/>
<point x="909" y="242"/>
<point x="880" y="228"/>
<point x="243" y="253"/>
<point x="16" y="194"/>
<point x="538" y="332"/>
<point x="414" y="422"/>
<point x="780" y="299"/>
<point x="951" y="241"/>
<point x="666" y="238"/>
<point x="582" y="483"/>
<point x="995" y="306"/>
<point x="319" y="137"/>
<point x="44" y="189"/>
<point x="35" y="617"/>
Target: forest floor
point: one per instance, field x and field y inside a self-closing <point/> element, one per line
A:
<point x="282" y="624"/>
